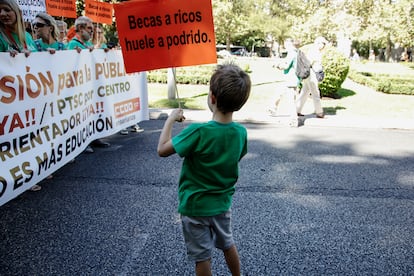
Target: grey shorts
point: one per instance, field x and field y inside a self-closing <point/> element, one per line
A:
<point x="201" y="234"/>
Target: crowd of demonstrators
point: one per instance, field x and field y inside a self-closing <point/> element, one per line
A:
<point x="290" y="82"/>
<point x="99" y="42"/>
<point x="46" y="31"/>
<point x="310" y="85"/>
<point x="47" y="34"/>
<point x="13" y="36"/>
<point x="211" y="152"/>
<point x="82" y="40"/>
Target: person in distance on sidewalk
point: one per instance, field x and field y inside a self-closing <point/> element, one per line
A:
<point x="310" y="85"/>
<point x="135" y="128"/>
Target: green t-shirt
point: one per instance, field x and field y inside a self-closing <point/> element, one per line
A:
<point x="103" y="46"/>
<point x="75" y="42"/>
<point x="210" y="168"/>
<point x="30" y="45"/>
<point x="55" y="45"/>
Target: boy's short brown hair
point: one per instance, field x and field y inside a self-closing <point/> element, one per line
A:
<point x="231" y="87"/>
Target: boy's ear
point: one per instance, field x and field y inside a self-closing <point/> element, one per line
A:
<point x="213" y="98"/>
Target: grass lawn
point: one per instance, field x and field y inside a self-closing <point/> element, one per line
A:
<point x="357" y="100"/>
<point x="365" y="101"/>
<point x="400" y="68"/>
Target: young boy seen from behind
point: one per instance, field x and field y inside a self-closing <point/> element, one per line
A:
<point x="211" y="152"/>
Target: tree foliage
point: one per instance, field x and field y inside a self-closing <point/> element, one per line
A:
<point x="380" y="23"/>
<point x="376" y="23"/>
<point x="229" y="20"/>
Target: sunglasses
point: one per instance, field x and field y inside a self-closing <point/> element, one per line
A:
<point x="39" y="25"/>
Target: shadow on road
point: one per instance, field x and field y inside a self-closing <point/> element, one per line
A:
<point x="308" y="201"/>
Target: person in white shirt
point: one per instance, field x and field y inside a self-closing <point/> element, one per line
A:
<point x="310" y="84"/>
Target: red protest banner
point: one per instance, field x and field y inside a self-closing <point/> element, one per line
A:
<point x="165" y="33"/>
<point x="99" y="12"/>
<point x="65" y="8"/>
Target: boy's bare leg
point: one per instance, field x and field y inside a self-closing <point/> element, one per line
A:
<point x="203" y="268"/>
<point x="232" y="259"/>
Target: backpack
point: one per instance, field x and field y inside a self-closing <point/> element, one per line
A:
<point x="303" y="66"/>
<point x="320" y="75"/>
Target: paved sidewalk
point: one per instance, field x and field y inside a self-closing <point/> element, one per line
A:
<point x="309" y="120"/>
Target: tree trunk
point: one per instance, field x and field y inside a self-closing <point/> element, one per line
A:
<point x="228" y="42"/>
<point x="388" y="51"/>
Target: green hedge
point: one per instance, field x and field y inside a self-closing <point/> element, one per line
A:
<point x="336" y="67"/>
<point x="184" y="75"/>
<point x="390" y="84"/>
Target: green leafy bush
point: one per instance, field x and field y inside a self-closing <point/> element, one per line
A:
<point x="390" y="84"/>
<point x="157" y="76"/>
<point x="336" y="67"/>
<point x="184" y="75"/>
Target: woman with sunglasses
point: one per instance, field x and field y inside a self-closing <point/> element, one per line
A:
<point x="46" y="31"/>
<point x="13" y="36"/>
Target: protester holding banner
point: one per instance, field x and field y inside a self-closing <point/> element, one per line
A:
<point x="13" y="36"/>
<point x="82" y="40"/>
<point x="46" y="32"/>
<point x="83" y="36"/>
<point x="99" y="40"/>
<point x="63" y="31"/>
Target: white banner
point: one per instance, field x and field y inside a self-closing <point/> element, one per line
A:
<point x="30" y="8"/>
<point x="53" y="106"/>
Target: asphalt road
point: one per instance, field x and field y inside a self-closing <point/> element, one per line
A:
<point x="309" y="201"/>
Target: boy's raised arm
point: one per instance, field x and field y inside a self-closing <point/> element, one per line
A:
<point x="165" y="147"/>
